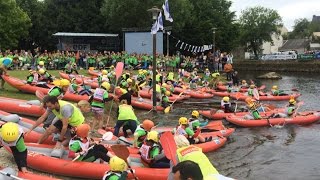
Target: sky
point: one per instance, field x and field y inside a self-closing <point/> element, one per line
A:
<point x="289" y="10"/>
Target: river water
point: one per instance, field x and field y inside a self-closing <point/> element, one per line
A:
<point x="290" y="152"/>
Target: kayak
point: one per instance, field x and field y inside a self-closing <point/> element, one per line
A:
<point x="224" y="88"/>
<point x="24" y="107"/>
<point x="26" y="124"/>
<point x="213" y="128"/>
<point x="81" y="80"/>
<point x="221" y="93"/>
<point x="193" y="93"/>
<point x="146" y="94"/>
<point x="21" y="86"/>
<point x="94" y="73"/>
<point x="302" y="118"/>
<point x="213" y="115"/>
<point x="216" y="143"/>
<point x="39" y="158"/>
<point x="268" y="97"/>
<point x="28" y="175"/>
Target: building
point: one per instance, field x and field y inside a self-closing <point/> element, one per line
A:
<point x="298" y="45"/>
<point x="273" y="47"/>
<point x="316" y="18"/>
<point x="88" y="42"/>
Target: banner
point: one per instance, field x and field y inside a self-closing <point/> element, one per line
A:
<point x="306" y="56"/>
<point x="279" y="57"/>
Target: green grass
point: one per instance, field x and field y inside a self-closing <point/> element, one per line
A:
<point x="14" y="93"/>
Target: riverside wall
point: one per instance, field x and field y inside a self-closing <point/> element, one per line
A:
<point x="278" y="65"/>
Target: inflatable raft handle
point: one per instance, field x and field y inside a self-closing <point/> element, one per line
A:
<point x="11" y="118"/>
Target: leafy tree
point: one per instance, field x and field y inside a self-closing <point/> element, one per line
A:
<point x="14" y="24"/>
<point x="257" y="25"/>
<point x="34" y="9"/>
<point x="300" y="29"/>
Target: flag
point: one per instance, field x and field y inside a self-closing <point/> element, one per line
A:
<point x="157" y="25"/>
<point x="166" y="12"/>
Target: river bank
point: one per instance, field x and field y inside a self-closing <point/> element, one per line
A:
<point x="278" y="65"/>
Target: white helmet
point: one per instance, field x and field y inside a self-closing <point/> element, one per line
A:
<point x="181" y="141"/>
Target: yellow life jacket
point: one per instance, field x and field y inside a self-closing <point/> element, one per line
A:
<point x="76" y="118"/>
<point x="126" y="112"/>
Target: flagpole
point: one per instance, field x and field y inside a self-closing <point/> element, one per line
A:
<point x="168" y="33"/>
<point x="154" y="10"/>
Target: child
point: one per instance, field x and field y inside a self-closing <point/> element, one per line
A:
<point x="98" y="100"/>
<point x="118" y="169"/>
<point x="165" y="99"/>
<point x="80" y="145"/>
<point x="12" y="136"/>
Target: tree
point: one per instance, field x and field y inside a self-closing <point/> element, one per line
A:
<point x="14" y="24"/>
<point x="257" y="25"/>
<point x="301" y="29"/>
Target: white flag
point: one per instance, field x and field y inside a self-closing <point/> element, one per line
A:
<point x="166" y="12"/>
<point x="158" y="25"/>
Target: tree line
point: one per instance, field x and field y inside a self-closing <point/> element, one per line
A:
<point x="29" y="24"/>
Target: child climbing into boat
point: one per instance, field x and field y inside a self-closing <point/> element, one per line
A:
<point x="82" y="147"/>
<point x="152" y="153"/>
<point x="12" y="136"/>
<point x="194" y="137"/>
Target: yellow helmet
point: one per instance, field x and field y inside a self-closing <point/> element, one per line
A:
<point x="64" y="82"/>
<point x="164" y="85"/>
<point x="117" y="164"/>
<point x="112" y="66"/>
<point x="195" y="114"/>
<point x="226" y="99"/>
<point x="41" y="63"/>
<point x="153" y="135"/>
<point x="214" y="75"/>
<point x="104" y="72"/>
<point x="183" y="120"/>
<point x="274" y="87"/>
<point x="10" y="132"/>
<point x="252" y="86"/>
<point x="41" y="71"/>
<point x="106" y="85"/>
<point x="167" y="93"/>
<point x="140" y="71"/>
<point x="129" y="80"/>
<point x="292" y="101"/>
<point x="145" y="71"/>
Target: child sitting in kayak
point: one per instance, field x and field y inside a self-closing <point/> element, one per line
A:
<point x="276" y="92"/>
<point x="165" y="99"/>
<point x="289" y="110"/>
<point x="118" y="169"/>
<point x="45" y="76"/>
<point x="73" y="88"/>
<point x="79" y="146"/>
<point x="195" y="122"/>
<point x="254" y="113"/>
<point x="151" y="152"/>
<point x="225" y="105"/>
<point x="33" y="79"/>
<point x="184" y="129"/>
<point x="12" y="136"/>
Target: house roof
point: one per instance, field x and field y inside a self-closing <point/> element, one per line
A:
<point x="294" y="44"/>
<point x="85" y="34"/>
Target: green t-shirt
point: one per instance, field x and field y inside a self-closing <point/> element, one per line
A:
<point x="154" y="152"/>
<point x="100" y="104"/>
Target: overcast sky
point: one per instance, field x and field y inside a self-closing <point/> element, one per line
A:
<point x="289" y="10"/>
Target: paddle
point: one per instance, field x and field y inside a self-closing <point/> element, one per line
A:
<point x="10" y="175"/>
<point x="169" y="146"/>
<point x="119" y="69"/>
<point x="296" y="111"/>
<point x="106" y="137"/>
<point x="167" y="109"/>
<point x="238" y="95"/>
<point x="122" y="152"/>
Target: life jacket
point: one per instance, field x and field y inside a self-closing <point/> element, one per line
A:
<point x="196" y="155"/>
<point x="109" y="174"/>
<point x="145" y="151"/>
<point x="250" y="92"/>
<point x="60" y="96"/>
<point x="98" y="94"/>
<point x="193" y="123"/>
<point x="84" y="146"/>
<point x="290" y="110"/>
<point x="170" y="76"/>
<point x="126" y="113"/>
<point x="180" y="131"/>
<point x="224" y="103"/>
<point x="76" y="118"/>
<point x="141" y="138"/>
<point x="73" y="88"/>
